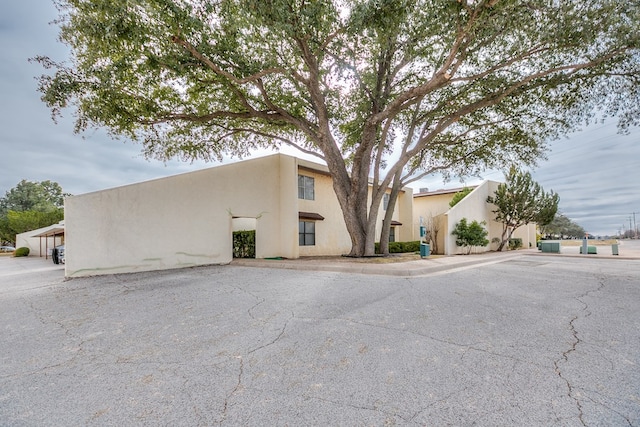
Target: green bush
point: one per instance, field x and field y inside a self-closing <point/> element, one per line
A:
<point x="515" y="243"/>
<point x="23" y="251"/>
<point x="401" y="247"/>
<point x="470" y="234"/>
<point x="244" y="244"/>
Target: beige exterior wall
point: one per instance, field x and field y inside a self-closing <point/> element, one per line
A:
<point x="188" y="219"/>
<point x="183" y="220"/>
<point x="473" y="207"/>
<point x="403" y="213"/>
<point x="433" y="208"/>
<point x="332" y="237"/>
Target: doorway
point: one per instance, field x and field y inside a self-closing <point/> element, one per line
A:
<point x="244" y="237"/>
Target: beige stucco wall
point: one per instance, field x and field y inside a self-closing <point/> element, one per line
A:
<point x="403" y="213"/>
<point x="332" y="237"/>
<point x="473" y="207"/>
<point x="188" y="219"/>
<point x="432" y="208"/>
<point x="183" y="220"/>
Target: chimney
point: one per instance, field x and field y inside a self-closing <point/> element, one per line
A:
<point x="424" y="190"/>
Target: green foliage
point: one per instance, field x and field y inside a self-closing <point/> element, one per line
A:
<point x="563" y="227"/>
<point x="519" y="201"/>
<point x="515" y="243"/>
<point x="459" y="196"/>
<point x="470" y="235"/>
<point x="401" y="247"/>
<point x="244" y="244"/>
<point x="23" y="251"/>
<point x="393" y="89"/>
<point x="29" y="206"/>
<point x="45" y="196"/>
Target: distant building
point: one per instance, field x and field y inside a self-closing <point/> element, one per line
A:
<point x="42" y="240"/>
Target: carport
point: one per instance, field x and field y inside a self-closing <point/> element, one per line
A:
<point x="52" y="232"/>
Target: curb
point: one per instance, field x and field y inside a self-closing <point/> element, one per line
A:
<point x="402" y="269"/>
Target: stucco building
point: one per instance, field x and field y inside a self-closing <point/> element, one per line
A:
<point x="42" y="240"/>
<point x="188" y="219"/>
<point x="434" y="206"/>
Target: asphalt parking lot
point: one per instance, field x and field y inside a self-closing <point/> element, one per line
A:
<point x="529" y="340"/>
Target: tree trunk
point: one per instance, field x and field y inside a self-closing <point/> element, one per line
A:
<point x="508" y="232"/>
<point x="388" y="215"/>
<point x="353" y="199"/>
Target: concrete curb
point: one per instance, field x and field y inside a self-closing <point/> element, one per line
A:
<point x="404" y="269"/>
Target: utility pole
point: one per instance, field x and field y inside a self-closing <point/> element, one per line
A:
<point x="635" y="227"/>
<point x="630" y="229"/>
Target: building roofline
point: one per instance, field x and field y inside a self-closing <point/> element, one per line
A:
<point x="443" y="191"/>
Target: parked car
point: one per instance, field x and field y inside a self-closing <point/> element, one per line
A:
<point x="57" y="255"/>
<point x="7" y="249"/>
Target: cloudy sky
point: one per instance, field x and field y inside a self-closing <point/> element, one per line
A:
<point x="595" y="171"/>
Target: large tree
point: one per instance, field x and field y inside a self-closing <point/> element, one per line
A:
<point x="44" y="196"/>
<point x="520" y="201"/>
<point x="28" y="206"/>
<point x="562" y="226"/>
<point x="381" y="90"/>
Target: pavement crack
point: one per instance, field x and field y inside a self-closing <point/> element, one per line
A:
<point x="259" y="300"/>
<point x="406" y="419"/>
<point x="465" y="346"/>
<point x="576" y="341"/>
<point x="237" y="387"/>
<point x="280" y="334"/>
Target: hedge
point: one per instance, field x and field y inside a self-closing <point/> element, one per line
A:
<point x="244" y="244"/>
<point x="401" y="247"/>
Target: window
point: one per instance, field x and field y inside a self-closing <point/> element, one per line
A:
<point x="385" y="201"/>
<point x="306" y="233"/>
<point x="392" y="234"/>
<point x="305" y="187"/>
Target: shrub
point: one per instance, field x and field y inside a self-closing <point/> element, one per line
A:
<point x="401" y="247"/>
<point x="244" y="244"/>
<point x="23" y="251"/>
<point x="515" y="243"/>
<point x="470" y="235"/>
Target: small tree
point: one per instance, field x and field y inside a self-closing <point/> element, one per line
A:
<point x="521" y="200"/>
<point x="470" y="235"/>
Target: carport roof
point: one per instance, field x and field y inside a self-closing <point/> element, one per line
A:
<point x="56" y="231"/>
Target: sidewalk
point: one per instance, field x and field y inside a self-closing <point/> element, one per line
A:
<point x="382" y="266"/>
<point x="414" y="266"/>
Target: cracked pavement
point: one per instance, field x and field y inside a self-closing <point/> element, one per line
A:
<point x="528" y="341"/>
